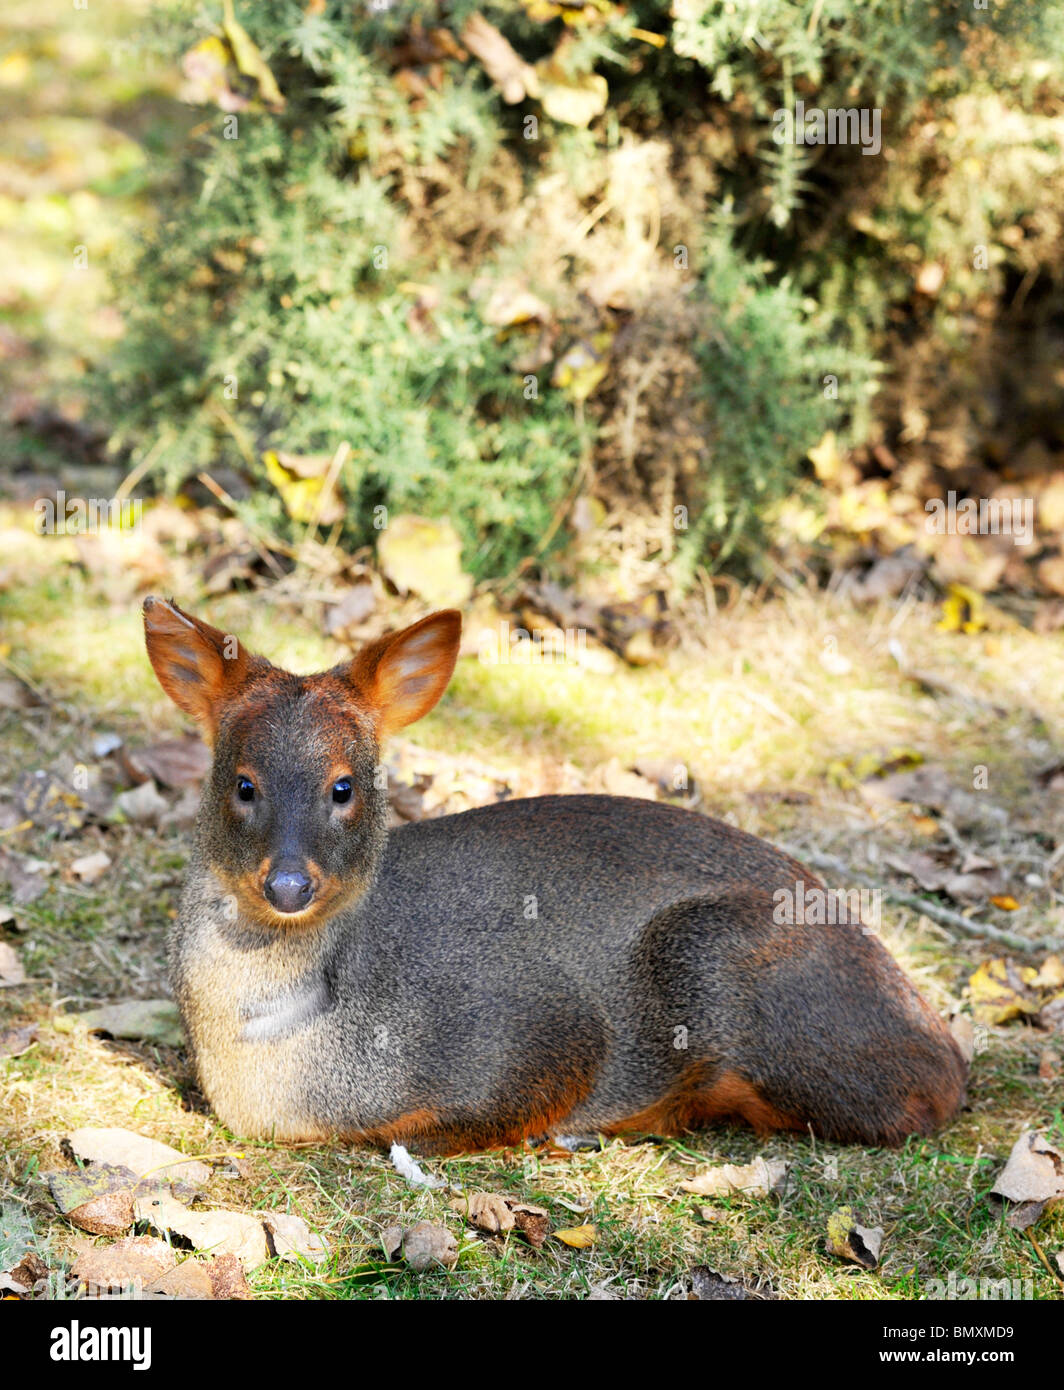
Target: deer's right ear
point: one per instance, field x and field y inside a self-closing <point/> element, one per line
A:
<point x="199" y="667"/>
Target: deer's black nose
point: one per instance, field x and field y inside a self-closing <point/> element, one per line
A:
<point x="288" y="890"/>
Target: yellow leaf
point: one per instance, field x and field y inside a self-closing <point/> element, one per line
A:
<point x="424" y="557"/>
<point x="1051" y="975"/>
<point x="925" y="825"/>
<point x="206" y="70"/>
<point x="579" y="1237"/>
<point x="579" y="371"/>
<point x="1000" y="992"/>
<point x="1005" y="902"/>
<point x="301" y="489"/>
<point x="826" y="459"/>
<point x="572" y="98"/>
<point x="249" y="60"/>
<point x="963" y="610"/>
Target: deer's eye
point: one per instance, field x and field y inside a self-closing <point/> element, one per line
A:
<point x="245" y="789"/>
<point x="341" y="792"/>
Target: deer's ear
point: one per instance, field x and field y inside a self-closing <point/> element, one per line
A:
<point x="199" y="667"/>
<point x="401" y="676"/>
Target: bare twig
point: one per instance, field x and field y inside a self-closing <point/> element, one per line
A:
<point x="945" y="915"/>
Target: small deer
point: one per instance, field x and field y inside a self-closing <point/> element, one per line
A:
<point x="562" y="965"/>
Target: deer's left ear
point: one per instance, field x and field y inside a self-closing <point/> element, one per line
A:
<point x="200" y="668"/>
<point x="400" y="677"/>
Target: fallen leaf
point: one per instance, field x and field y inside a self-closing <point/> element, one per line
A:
<point x="136" y="1261"/>
<point x="28" y="877"/>
<point x="1048" y="1065"/>
<point x="218" y="1232"/>
<point x="146" y="1157"/>
<point x="512" y="305"/>
<point x="533" y="1223"/>
<point x="15" y="1041"/>
<point x="15" y="694"/>
<point x="1032" y="1179"/>
<point x="507" y="69"/>
<point x="574" y="98"/>
<point x="22" y="1279"/>
<point x="291" y="1238"/>
<point x="11" y="971"/>
<point x="711" y="1287"/>
<point x="1050" y="975"/>
<point x="227" y="1278"/>
<point x="849" y="1241"/>
<point x="488" y="1211"/>
<point x="144" y="1020"/>
<point x="963" y="1032"/>
<point x="425" y="1245"/>
<point x="249" y="60"/>
<point x="963" y="610"/>
<point x="206" y="70"/>
<point x="1051" y="1015"/>
<point x="49" y="803"/>
<point x="424" y="557"/>
<point x="357" y="604"/>
<point x="98" y="1199"/>
<point x="391" y="1241"/>
<point x="495" y="1213"/>
<point x="755" y="1179"/>
<point x="143" y="805"/>
<point x="579" y="1237"/>
<point x="976" y="881"/>
<point x="1000" y="992"/>
<point x="175" y="762"/>
<point x="190" y="1279"/>
<point x="306" y="487"/>
<point x="826" y="459"/>
<point x="91" y="867"/>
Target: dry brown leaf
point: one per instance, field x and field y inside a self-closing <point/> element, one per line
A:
<point x="175" y="762"/>
<point x="144" y="1020"/>
<point x="137" y="1260"/>
<point x="227" y="1278"/>
<point x="216" y="1232"/>
<point x="143" y="805"/>
<point x="488" y="1211"/>
<point x="494" y="1213"/>
<point x="90" y="868"/>
<point x="1032" y="1179"/>
<point x="425" y="1245"/>
<point x="291" y="1237"/>
<point x="11" y="971"/>
<point x="98" y="1199"/>
<point x="15" y="1041"/>
<point x="755" y="1179"/>
<point x="148" y="1158"/>
<point x="190" y="1279"/>
<point x="514" y="78"/>
<point x="1051" y="1015"/>
<point x="1051" y="974"/>
<point x="710" y="1287"/>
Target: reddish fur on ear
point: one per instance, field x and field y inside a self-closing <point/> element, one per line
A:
<point x="199" y="667"/>
<point x="401" y="676"/>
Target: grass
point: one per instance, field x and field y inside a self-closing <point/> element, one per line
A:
<point x="751" y="708"/>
